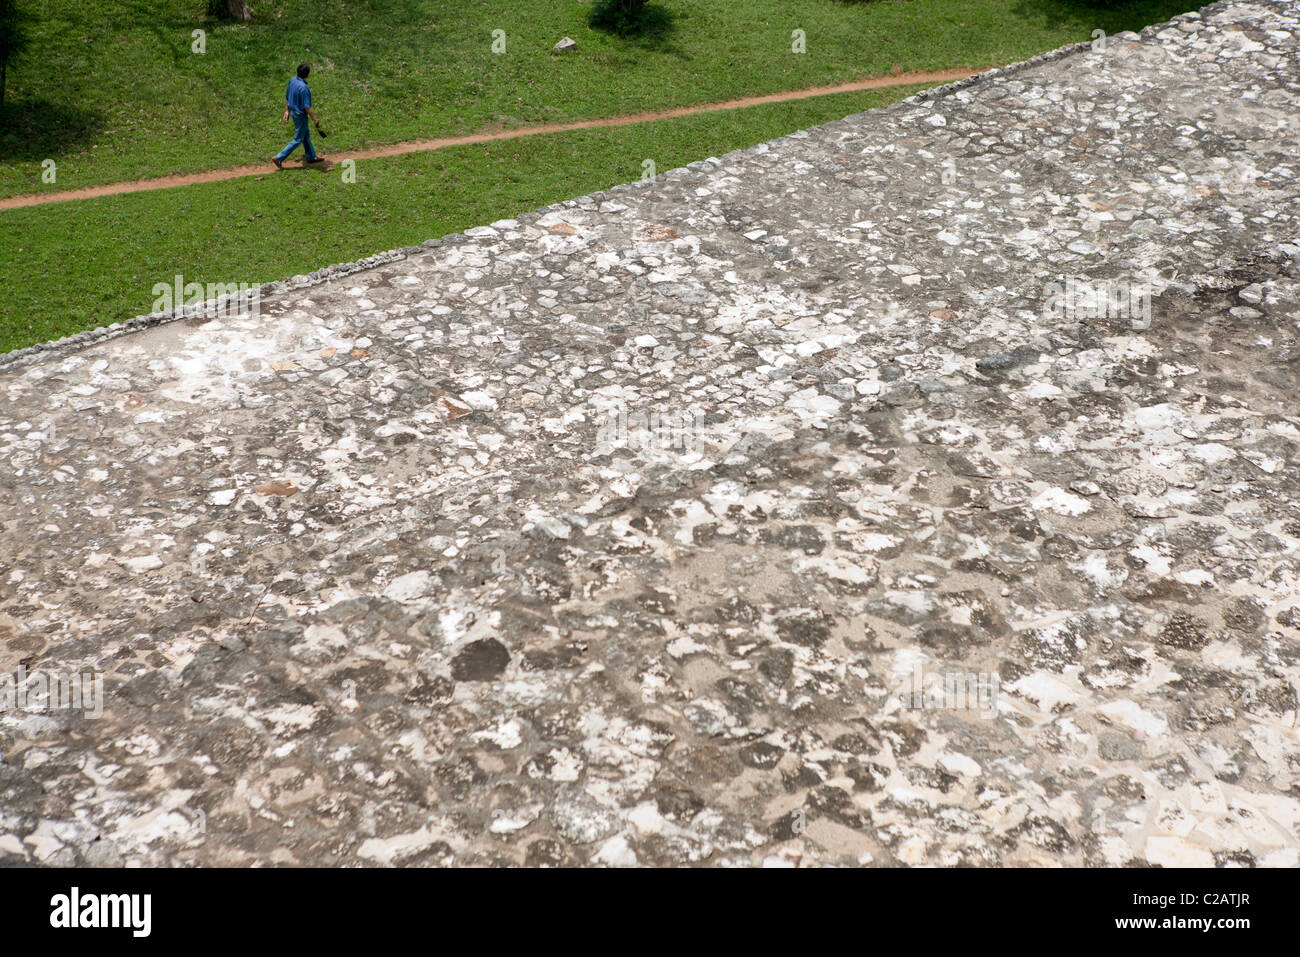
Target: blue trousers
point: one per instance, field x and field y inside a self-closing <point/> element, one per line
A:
<point x="301" y="134"/>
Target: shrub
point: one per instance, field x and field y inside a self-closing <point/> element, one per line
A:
<point x="619" y="16"/>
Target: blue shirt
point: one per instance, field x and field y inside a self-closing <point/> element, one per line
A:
<point x="297" y="95"/>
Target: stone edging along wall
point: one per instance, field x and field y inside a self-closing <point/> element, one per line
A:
<point x="82" y="340"/>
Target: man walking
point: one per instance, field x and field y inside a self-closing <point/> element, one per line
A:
<point x="297" y="104"/>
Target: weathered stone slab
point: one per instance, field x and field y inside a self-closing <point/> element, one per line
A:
<point x="618" y="533"/>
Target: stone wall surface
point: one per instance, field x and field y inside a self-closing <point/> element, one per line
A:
<point x="619" y="532"/>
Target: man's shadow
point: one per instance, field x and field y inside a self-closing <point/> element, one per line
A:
<point x="300" y="166"/>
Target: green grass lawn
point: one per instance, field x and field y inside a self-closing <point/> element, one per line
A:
<point x="111" y="90"/>
<point x="66" y="268"/>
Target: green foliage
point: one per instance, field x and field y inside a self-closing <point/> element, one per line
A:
<point x="228" y="9"/>
<point x="13" y="33"/>
<point x="622" y="16"/>
<point x="13" y="38"/>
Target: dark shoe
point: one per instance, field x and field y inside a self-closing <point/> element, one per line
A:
<point x="278" y="164"/>
<point x="318" y="159"/>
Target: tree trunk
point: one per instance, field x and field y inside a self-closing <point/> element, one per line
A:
<point x="239" y="10"/>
